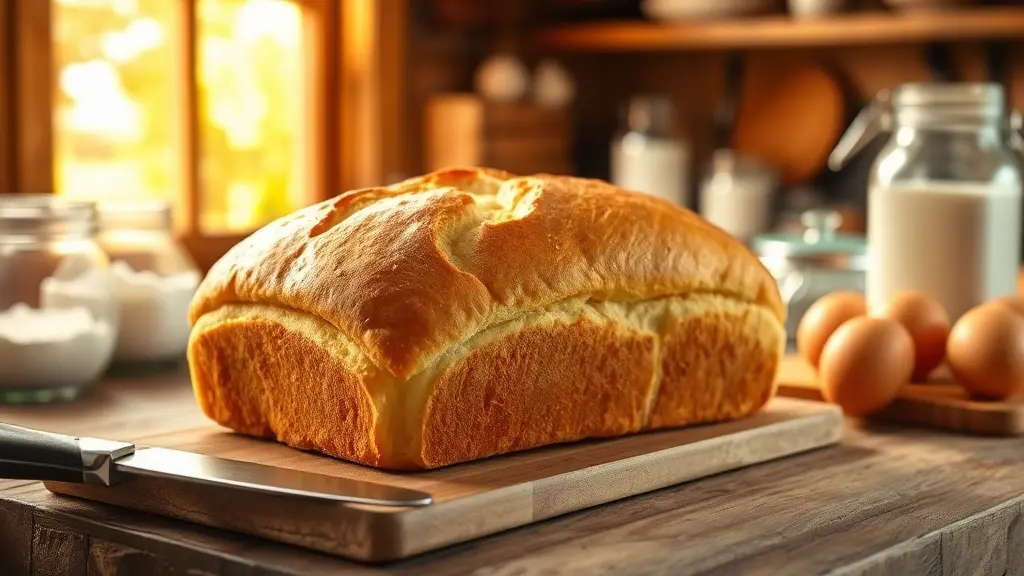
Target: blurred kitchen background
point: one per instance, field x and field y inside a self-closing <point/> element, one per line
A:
<point x="141" y="139"/>
<point x="239" y="111"/>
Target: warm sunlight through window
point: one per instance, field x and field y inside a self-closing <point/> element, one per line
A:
<point x="250" y="102"/>
<point x="116" y="114"/>
<point x="114" y="135"/>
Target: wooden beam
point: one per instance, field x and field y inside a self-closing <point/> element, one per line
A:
<point x="863" y="28"/>
<point x="394" y="35"/>
<point x="318" y="145"/>
<point x="33" y="64"/>
<point x="188" y="201"/>
<point x="371" y="101"/>
<point x="8" y="85"/>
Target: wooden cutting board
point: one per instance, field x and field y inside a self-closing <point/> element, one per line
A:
<point x="940" y="404"/>
<point x="470" y="500"/>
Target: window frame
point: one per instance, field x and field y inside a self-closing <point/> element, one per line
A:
<point x="355" y="71"/>
<point x="6" y="98"/>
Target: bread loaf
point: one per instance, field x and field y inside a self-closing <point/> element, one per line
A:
<point x="469" y="312"/>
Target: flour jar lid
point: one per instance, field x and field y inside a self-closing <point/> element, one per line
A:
<point x="820" y="245"/>
<point x="44" y="216"/>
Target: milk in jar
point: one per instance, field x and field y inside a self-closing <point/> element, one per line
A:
<point x="944" y="199"/>
<point x="956" y="242"/>
<point x="648" y="155"/>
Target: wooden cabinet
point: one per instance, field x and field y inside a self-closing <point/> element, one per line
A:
<point x="523" y="138"/>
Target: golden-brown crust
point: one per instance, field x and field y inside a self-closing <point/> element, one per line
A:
<point x="715" y="366"/>
<point x="410" y="270"/>
<point x="566" y="373"/>
<point x="539" y="386"/>
<point x="315" y="403"/>
<point x="469" y="313"/>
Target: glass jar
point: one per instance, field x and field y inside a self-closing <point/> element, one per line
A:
<point x="154" y="280"/>
<point x="647" y="155"/>
<point x="944" y="196"/>
<point x="738" y="194"/>
<point x="58" y="314"/>
<point x="812" y="263"/>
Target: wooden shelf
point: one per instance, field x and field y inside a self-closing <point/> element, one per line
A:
<point x="783" y="31"/>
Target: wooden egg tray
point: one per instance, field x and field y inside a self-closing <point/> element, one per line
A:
<point x="939" y="403"/>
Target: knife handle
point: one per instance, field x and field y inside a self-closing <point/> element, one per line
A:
<point x="28" y="454"/>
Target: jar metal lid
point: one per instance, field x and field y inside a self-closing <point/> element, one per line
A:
<point x="650" y="113"/>
<point x="46" y="215"/>
<point x="988" y="95"/>
<point x="819" y="246"/>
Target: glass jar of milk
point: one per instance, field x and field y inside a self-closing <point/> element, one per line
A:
<point x="154" y="280"/>
<point x="944" y="197"/>
<point x="58" y="316"/>
<point x="648" y="155"/>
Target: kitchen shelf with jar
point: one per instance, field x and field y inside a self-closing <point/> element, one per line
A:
<point x="858" y="28"/>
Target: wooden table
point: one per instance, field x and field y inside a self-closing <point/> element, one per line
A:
<point x="886" y="501"/>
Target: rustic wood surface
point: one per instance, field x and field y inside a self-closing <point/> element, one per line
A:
<point x="887" y="500"/>
<point x="939" y="404"/>
<point x="471" y="500"/>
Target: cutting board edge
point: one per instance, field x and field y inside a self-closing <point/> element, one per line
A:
<point x="378" y="535"/>
<point x="829" y="420"/>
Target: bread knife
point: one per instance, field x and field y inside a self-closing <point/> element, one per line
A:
<point x="28" y="454"/>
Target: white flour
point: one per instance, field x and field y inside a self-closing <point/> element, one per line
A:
<point x="154" y="313"/>
<point x="66" y="342"/>
<point x="52" y="347"/>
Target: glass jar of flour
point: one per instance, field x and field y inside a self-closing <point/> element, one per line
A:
<point x="154" y="280"/>
<point x="944" y="198"/>
<point x="58" y="314"/>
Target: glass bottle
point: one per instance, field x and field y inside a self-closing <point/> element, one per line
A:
<point x="944" y="197"/>
<point x="648" y="155"/>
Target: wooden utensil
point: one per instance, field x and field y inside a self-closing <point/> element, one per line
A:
<point x="791" y="121"/>
<point x="939" y="404"/>
<point x="470" y="500"/>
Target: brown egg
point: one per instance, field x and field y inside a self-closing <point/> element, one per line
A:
<point x="865" y="363"/>
<point x="1015" y="303"/>
<point x="985" y="351"/>
<point x="928" y="325"/>
<point x="821" y="320"/>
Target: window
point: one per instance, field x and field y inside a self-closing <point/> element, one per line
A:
<point x="251" y="90"/>
<point x="235" y="111"/>
<point x="113" y="85"/>
<point x="115" y="133"/>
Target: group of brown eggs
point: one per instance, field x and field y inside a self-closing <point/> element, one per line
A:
<point x="864" y="359"/>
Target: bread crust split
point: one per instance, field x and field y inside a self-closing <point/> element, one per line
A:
<point x="469" y="313"/>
